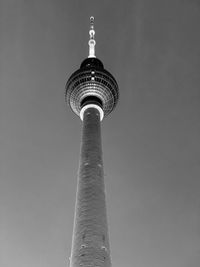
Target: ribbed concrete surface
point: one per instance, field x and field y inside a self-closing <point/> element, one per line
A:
<point x="90" y="244"/>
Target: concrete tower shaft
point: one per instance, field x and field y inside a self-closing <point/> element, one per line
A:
<point x="90" y="242"/>
<point x="92" y="93"/>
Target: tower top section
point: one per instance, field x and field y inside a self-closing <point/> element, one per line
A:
<point x="91" y="84"/>
<point x="92" y="41"/>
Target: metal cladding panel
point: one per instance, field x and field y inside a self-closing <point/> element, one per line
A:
<point x="90" y="244"/>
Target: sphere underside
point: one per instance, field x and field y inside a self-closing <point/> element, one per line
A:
<point x="91" y="81"/>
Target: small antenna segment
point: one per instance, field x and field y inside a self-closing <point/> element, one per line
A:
<point x="92" y="41"/>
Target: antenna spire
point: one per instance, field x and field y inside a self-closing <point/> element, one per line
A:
<point x="92" y="41"/>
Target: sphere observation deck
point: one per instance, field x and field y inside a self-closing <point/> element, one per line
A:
<point x="92" y="84"/>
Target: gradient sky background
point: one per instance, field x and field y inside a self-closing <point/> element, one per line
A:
<point x="150" y="142"/>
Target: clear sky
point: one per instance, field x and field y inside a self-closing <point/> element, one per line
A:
<point x="151" y="142"/>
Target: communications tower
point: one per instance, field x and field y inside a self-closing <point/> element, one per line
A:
<point x="92" y="93"/>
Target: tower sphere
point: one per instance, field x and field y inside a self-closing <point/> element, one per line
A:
<point x="92" y="84"/>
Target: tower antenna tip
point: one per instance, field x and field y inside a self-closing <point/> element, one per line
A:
<point x="91" y="19"/>
<point x="91" y="40"/>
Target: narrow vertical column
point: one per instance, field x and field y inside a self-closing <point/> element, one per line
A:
<point x="90" y="244"/>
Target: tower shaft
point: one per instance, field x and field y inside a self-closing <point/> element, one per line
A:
<point x="90" y="242"/>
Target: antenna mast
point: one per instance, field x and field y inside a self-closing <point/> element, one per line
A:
<point x="92" y="41"/>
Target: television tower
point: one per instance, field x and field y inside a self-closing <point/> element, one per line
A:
<point x="92" y="93"/>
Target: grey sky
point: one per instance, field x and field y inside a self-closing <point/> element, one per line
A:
<point x="150" y="142"/>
